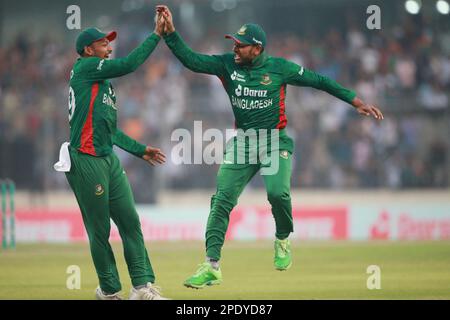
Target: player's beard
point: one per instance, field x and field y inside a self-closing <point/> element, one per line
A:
<point x="243" y="61"/>
<point x="102" y="55"/>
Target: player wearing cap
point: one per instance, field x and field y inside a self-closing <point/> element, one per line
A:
<point x="256" y="85"/>
<point x="96" y="176"/>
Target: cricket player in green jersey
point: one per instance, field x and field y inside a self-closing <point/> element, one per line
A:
<point x="96" y="176"/>
<point x="256" y="85"/>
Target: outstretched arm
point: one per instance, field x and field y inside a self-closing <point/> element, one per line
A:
<point x="148" y="153"/>
<point x="367" y="109"/>
<point x="100" y="69"/>
<point x="300" y="76"/>
<point x="202" y="63"/>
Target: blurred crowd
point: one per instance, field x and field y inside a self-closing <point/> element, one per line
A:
<point x="405" y="71"/>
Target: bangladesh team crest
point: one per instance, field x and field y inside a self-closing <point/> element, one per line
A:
<point x="99" y="190"/>
<point x="242" y="30"/>
<point x="266" y="80"/>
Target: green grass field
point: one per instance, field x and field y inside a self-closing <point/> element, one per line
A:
<point x="321" y="270"/>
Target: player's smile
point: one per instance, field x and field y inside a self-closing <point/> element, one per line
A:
<point x="102" y="48"/>
<point x="238" y="56"/>
<point x="244" y="53"/>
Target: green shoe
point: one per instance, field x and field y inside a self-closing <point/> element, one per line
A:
<point x="282" y="259"/>
<point x="206" y="275"/>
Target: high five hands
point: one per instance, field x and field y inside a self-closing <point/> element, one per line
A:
<point x="159" y="24"/>
<point x="164" y="26"/>
<point x="164" y="20"/>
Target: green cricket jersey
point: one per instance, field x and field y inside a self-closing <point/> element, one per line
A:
<point x="92" y="102"/>
<point x="257" y="92"/>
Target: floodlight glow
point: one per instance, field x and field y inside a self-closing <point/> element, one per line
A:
<point x="412" y="6"/>
<point x="443" y="7"/>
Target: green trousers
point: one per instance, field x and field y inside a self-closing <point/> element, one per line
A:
<point x="231" y="180"/>
<point x="103" y="193"/>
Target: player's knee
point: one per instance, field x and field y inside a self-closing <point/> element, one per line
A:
<point x="131" y="227"/>
<point x="277" y="196"/>
<point x="98" y="237"/>
<point x="224" y="197"/>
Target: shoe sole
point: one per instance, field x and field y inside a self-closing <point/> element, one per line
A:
<point x="209" y="283"/>
<point x="284" y="269"/>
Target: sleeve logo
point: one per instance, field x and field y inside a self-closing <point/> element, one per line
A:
<point x="100" y="65"/>
<point x="284" y="154"/>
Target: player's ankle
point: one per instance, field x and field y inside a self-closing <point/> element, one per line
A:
<point x="213" y="262"/>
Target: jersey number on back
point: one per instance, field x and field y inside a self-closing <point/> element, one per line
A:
<point x="71" y="103"/>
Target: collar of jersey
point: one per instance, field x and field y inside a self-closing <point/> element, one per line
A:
<point x="259" y="60"/>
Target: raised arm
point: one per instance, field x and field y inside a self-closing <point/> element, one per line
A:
<point x="99" y="69"/>
<point x="194" y="61"/>
<point x="299" y="76"/>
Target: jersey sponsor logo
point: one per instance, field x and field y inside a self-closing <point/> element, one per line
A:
<point x="238" y="77"/>
<point x="247" y="92"/>
<point x="241" y="103"/>
<point x="301" y="71"/>
<point x="250" y="104"/>
<point x="255" y="93"/>
<point x="266" y="80"/>
<point x="100" y="65"/>
<point x="99" y="190"/>
<point x="238" y="90"/>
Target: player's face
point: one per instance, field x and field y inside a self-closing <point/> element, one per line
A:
<point x="244" y="53"/>
<point x="101" y="48"/>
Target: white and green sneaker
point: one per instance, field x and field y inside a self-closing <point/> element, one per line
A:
<point x="205" y="275"/>
<point x="100" y="295"/>
<point x="148" y="292"/>
<point x="282" y="260"/>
